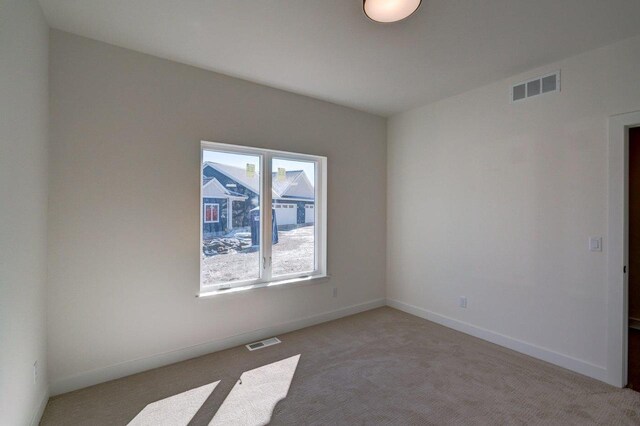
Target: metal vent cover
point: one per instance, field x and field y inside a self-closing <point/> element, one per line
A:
<point x="547" y="83"/>
<point x="263" y="343"/>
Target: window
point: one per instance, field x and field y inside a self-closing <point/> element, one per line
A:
<point x="244" y="243"/>
<point x="211" y="212"/>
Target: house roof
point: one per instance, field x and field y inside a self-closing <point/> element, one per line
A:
<point x="214" y="189"/>
<point x="237" y="174"/>
<point x="296" y="184"/>
<point x="280" y="186"/>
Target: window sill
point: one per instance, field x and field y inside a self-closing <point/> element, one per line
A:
<point x="288" y="283"/>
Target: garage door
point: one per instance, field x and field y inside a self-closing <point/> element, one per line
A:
<point x="309" y="213"/>
<point x="286" y="214"/>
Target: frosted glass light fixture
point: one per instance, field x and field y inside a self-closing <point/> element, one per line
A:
<point x="389" y="10"/>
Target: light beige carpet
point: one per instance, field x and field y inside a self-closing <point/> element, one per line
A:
<point x="378" y="367"/>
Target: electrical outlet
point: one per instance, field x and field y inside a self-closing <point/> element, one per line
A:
<point x="463" y="301"/>
<point x="335" y="292"/>
<point x="35" y="372"/>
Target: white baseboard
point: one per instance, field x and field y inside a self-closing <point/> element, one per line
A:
<point x="37" y="416"/>
<point x="116" y="371"/>
<point x="565" y="361"/>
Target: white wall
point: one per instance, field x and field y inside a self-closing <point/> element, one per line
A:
<point x="23" y="209"/>
<point x="503" y="198"/>
<point x="124" y="213"/>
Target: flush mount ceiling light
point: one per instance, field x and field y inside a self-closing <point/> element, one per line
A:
<point x="389" y="10"/>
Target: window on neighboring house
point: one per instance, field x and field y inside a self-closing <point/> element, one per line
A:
<point x="211" y="213"/>
<point x="238" y="247"/>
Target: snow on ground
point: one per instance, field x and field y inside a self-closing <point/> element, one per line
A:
<point x="293" y="253"/>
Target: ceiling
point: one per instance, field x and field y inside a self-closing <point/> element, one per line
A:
<point x="329" y="50"/>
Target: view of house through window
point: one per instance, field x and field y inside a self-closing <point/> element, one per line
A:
<point x="293" y="202"/>
<point x="234" y="251"/>
<point x="230" y="192"/>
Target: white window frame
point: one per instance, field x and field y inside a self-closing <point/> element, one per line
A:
<point x="205" y="212"/>
<point x="266" y="278"/>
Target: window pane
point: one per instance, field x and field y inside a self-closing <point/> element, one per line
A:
<point x="230" y="199"/>
<point x="294" y="199"/>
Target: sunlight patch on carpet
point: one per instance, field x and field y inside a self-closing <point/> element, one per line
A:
<point x="255" y="395"/>
<point x="177" y="410"/>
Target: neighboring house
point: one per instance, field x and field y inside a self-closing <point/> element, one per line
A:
<point x="217" y="205"/>
<point x="293" y="198"/>
<point x="237" y="193"/>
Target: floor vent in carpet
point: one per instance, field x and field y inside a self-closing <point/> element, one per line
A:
<point x="263" y="344"/>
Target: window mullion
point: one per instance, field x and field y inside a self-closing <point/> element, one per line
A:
<point x="266" y="218"/>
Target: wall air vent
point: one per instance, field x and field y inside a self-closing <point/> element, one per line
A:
<point x="537" y="86"/>
<point x="263" y="344"/>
